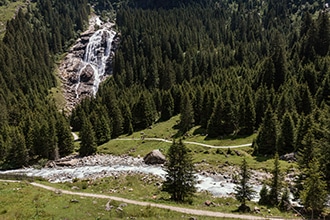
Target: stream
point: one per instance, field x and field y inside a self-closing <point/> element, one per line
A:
<point x="99" y="166"/>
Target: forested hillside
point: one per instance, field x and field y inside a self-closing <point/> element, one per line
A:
<point x="31" y="127"/>
<point x="231" y="67"/>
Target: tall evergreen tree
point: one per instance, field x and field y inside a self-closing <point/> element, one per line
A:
<point x="266" y="139"/>
<point x="64" y="136"/>
<point x="314" y="193"/>
<point x="243" y="191"/>
<point x="285" y="142"/>
<point x="143" y="112"/>
<point x="187" y="115"/>
<point x="17" y="153"/>
<point x="167" y="106"/>
<point x="276" y="184"/>
<point x="88" y="144"/>
<point x="180" y="179"/>
<point x="247" y="113"/>
<point x="214" y="128"/>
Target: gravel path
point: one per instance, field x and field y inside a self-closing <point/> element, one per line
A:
<point x="187" y="142"/>
<point x="172" y="208"/>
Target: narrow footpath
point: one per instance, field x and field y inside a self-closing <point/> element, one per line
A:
<point x="140" y="203"/>
<point x="187" y="142"/>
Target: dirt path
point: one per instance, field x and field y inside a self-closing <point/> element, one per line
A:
<point x="172" y="208"/>
<point x="187" y="142"/>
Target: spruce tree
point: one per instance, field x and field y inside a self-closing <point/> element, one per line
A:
<point x="266" y="139"/>
<point x="285" y="143"/>
<point x="167" y="106"/>
<point x="17" y="154"/>
<point x="214" y="128"/>
<point x="243" y="191"/>
<point x="64" y="136"/>
<point x="275" y="187"/>
<point x="180" y="179"/>
<point x="88" y="144"/>
<point x="314" y="193"/>
<point x="187" y="115"/>
<point x="247" y="113"/>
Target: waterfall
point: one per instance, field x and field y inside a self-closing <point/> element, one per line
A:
<point x="95" y="57"/>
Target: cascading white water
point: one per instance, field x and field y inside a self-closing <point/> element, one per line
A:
<point x="96" y="56"/>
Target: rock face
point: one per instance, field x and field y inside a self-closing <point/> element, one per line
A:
<point x="88" y="62"/>
<point x="154" y="157"/>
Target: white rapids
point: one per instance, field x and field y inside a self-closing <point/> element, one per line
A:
<point x="217" y="185"/>
<point x="96" y="56"/>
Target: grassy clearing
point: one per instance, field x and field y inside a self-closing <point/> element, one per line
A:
<point x="23" y="201"/>
<point x="7" y="12"/>
<point x="147" y="188"/>
<point x="205" y="158"/>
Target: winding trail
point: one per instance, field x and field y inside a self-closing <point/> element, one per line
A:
<point x="187" y="142"/>
<point x="172" y="208"/>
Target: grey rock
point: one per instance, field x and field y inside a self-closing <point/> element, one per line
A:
<point x="154" y="157"/>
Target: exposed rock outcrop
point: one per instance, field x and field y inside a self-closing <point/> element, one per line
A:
<point x="88" y="62"/>
<point x="154" y="157"/>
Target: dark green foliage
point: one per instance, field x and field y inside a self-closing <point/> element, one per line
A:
<point x="180" y="179"/>
<point x="187" y="115"/>
<point x="27" y="54"/>
<point x="101" y="126"/>
<point x="64" y="136"/>
<point x="243" y="191"/>
<point x="314" y="193"/>
<point x="167" y="106"/>
<point x="285" y="204"/>
<point x="276" y="184"/>
<point x="285" y="142"/>
<point x="143" y="112"/>
<point x="214" y="125"/>
<point x="247" y="114"/>
<point x="88" y="141"/>
<point x="266" y="139"/>
<point x="264" y="198"/>
<point x="308" y="149"/>
<point x="17" y="153"/>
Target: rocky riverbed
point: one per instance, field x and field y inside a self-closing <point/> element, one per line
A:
<point x="73" y="167"/>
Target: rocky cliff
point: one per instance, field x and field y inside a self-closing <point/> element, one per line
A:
<point x="88" y="62"/>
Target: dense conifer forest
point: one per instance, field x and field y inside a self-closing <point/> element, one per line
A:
<point x="231" y="67"/>
<point x="31" y="127"/>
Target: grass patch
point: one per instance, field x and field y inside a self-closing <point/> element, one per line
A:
<point x="23" y="201"/>
<point x="144" y="187"/>
<point x="8" y="12"/>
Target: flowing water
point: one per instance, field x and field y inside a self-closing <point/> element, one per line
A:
<point x="216" y="185"/>
<point x="96" y="56"/>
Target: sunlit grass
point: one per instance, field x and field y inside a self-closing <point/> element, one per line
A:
<point x="8" y="12"/>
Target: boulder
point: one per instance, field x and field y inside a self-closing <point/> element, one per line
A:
<point x="154" y="157"/>
<point x="87" y="74"/>
<point x="291" y="157"/>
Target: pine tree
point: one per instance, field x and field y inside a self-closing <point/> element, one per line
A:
<point x="243" y="191"/>
<point x="17" y="154"/>
<point x="247" y="113"/>
<point x="275" y="187"/>
<point x="214" y="128"/>
<point x="187" y="115"/>
<point x="285" y="143"/>
<point x="88" y="144"/>
<point x="264" y="197"/>
<point x="180" y="179"/>
<point x="167" y="106"/>
<point x="143" y="112"/>
<point x="314" y="193"/>
<point x="64" y="136"/>
<point x="307" y="153"/>
<point x="266" y="139"/>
